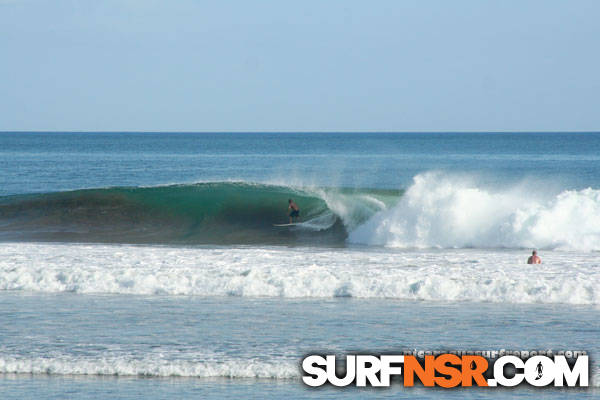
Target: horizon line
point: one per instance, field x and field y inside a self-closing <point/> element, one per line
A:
<point x="291" y="132"/>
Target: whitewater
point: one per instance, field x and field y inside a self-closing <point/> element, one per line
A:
<point x="457" y="275"/>
<point x="453" y="211"/>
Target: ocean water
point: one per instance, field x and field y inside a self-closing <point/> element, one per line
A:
<point x="146" y="265"/>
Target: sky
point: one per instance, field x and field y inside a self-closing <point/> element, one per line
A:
<point x="335" y="65"/>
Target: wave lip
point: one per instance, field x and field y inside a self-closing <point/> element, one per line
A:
<point x="445" y="211"/>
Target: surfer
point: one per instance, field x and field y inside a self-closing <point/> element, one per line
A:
<point x="540" y="370"/>
<point x="294" y="210"/>
<point x="534" y="259"/>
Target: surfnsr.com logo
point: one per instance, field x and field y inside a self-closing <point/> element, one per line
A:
<point x="446" y="370"/>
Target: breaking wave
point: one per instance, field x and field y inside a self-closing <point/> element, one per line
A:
<point x="203" y="213"/>
<point x="436" y="211"/>
<point x="149" y="367"/>
<point x="441" y="211"/>
<point x="159" y="367"/>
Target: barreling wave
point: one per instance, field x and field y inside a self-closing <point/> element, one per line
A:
<point x="203" y="213"/>
<point x="437" y="211"/>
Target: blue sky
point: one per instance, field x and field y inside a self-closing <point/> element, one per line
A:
<point x="188" y="65"/>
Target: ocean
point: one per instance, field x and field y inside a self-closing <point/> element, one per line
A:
<point x="146" y="265"/>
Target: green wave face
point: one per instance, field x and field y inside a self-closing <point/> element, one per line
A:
<point x="204" y="213"/>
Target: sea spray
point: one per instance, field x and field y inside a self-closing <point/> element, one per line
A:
<point x="446" y="211"/>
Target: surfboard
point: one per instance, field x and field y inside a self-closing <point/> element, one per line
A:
<point x="295" y="223"/>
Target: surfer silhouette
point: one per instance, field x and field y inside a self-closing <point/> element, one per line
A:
<point x="539" y="370"/>
<point x="294" y="210"/>
<point x="534" y="259"/>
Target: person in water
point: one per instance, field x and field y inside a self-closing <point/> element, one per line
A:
<point x="534" y="259"/>
<point x="294" y="210"/>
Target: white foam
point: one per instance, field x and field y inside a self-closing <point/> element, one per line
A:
<point x="445" y="211"/>
<point x="448" y="275"/>
<point x="156" y="366"/>
<point x="353" y="209"/>
<point x="149" y="366"/>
